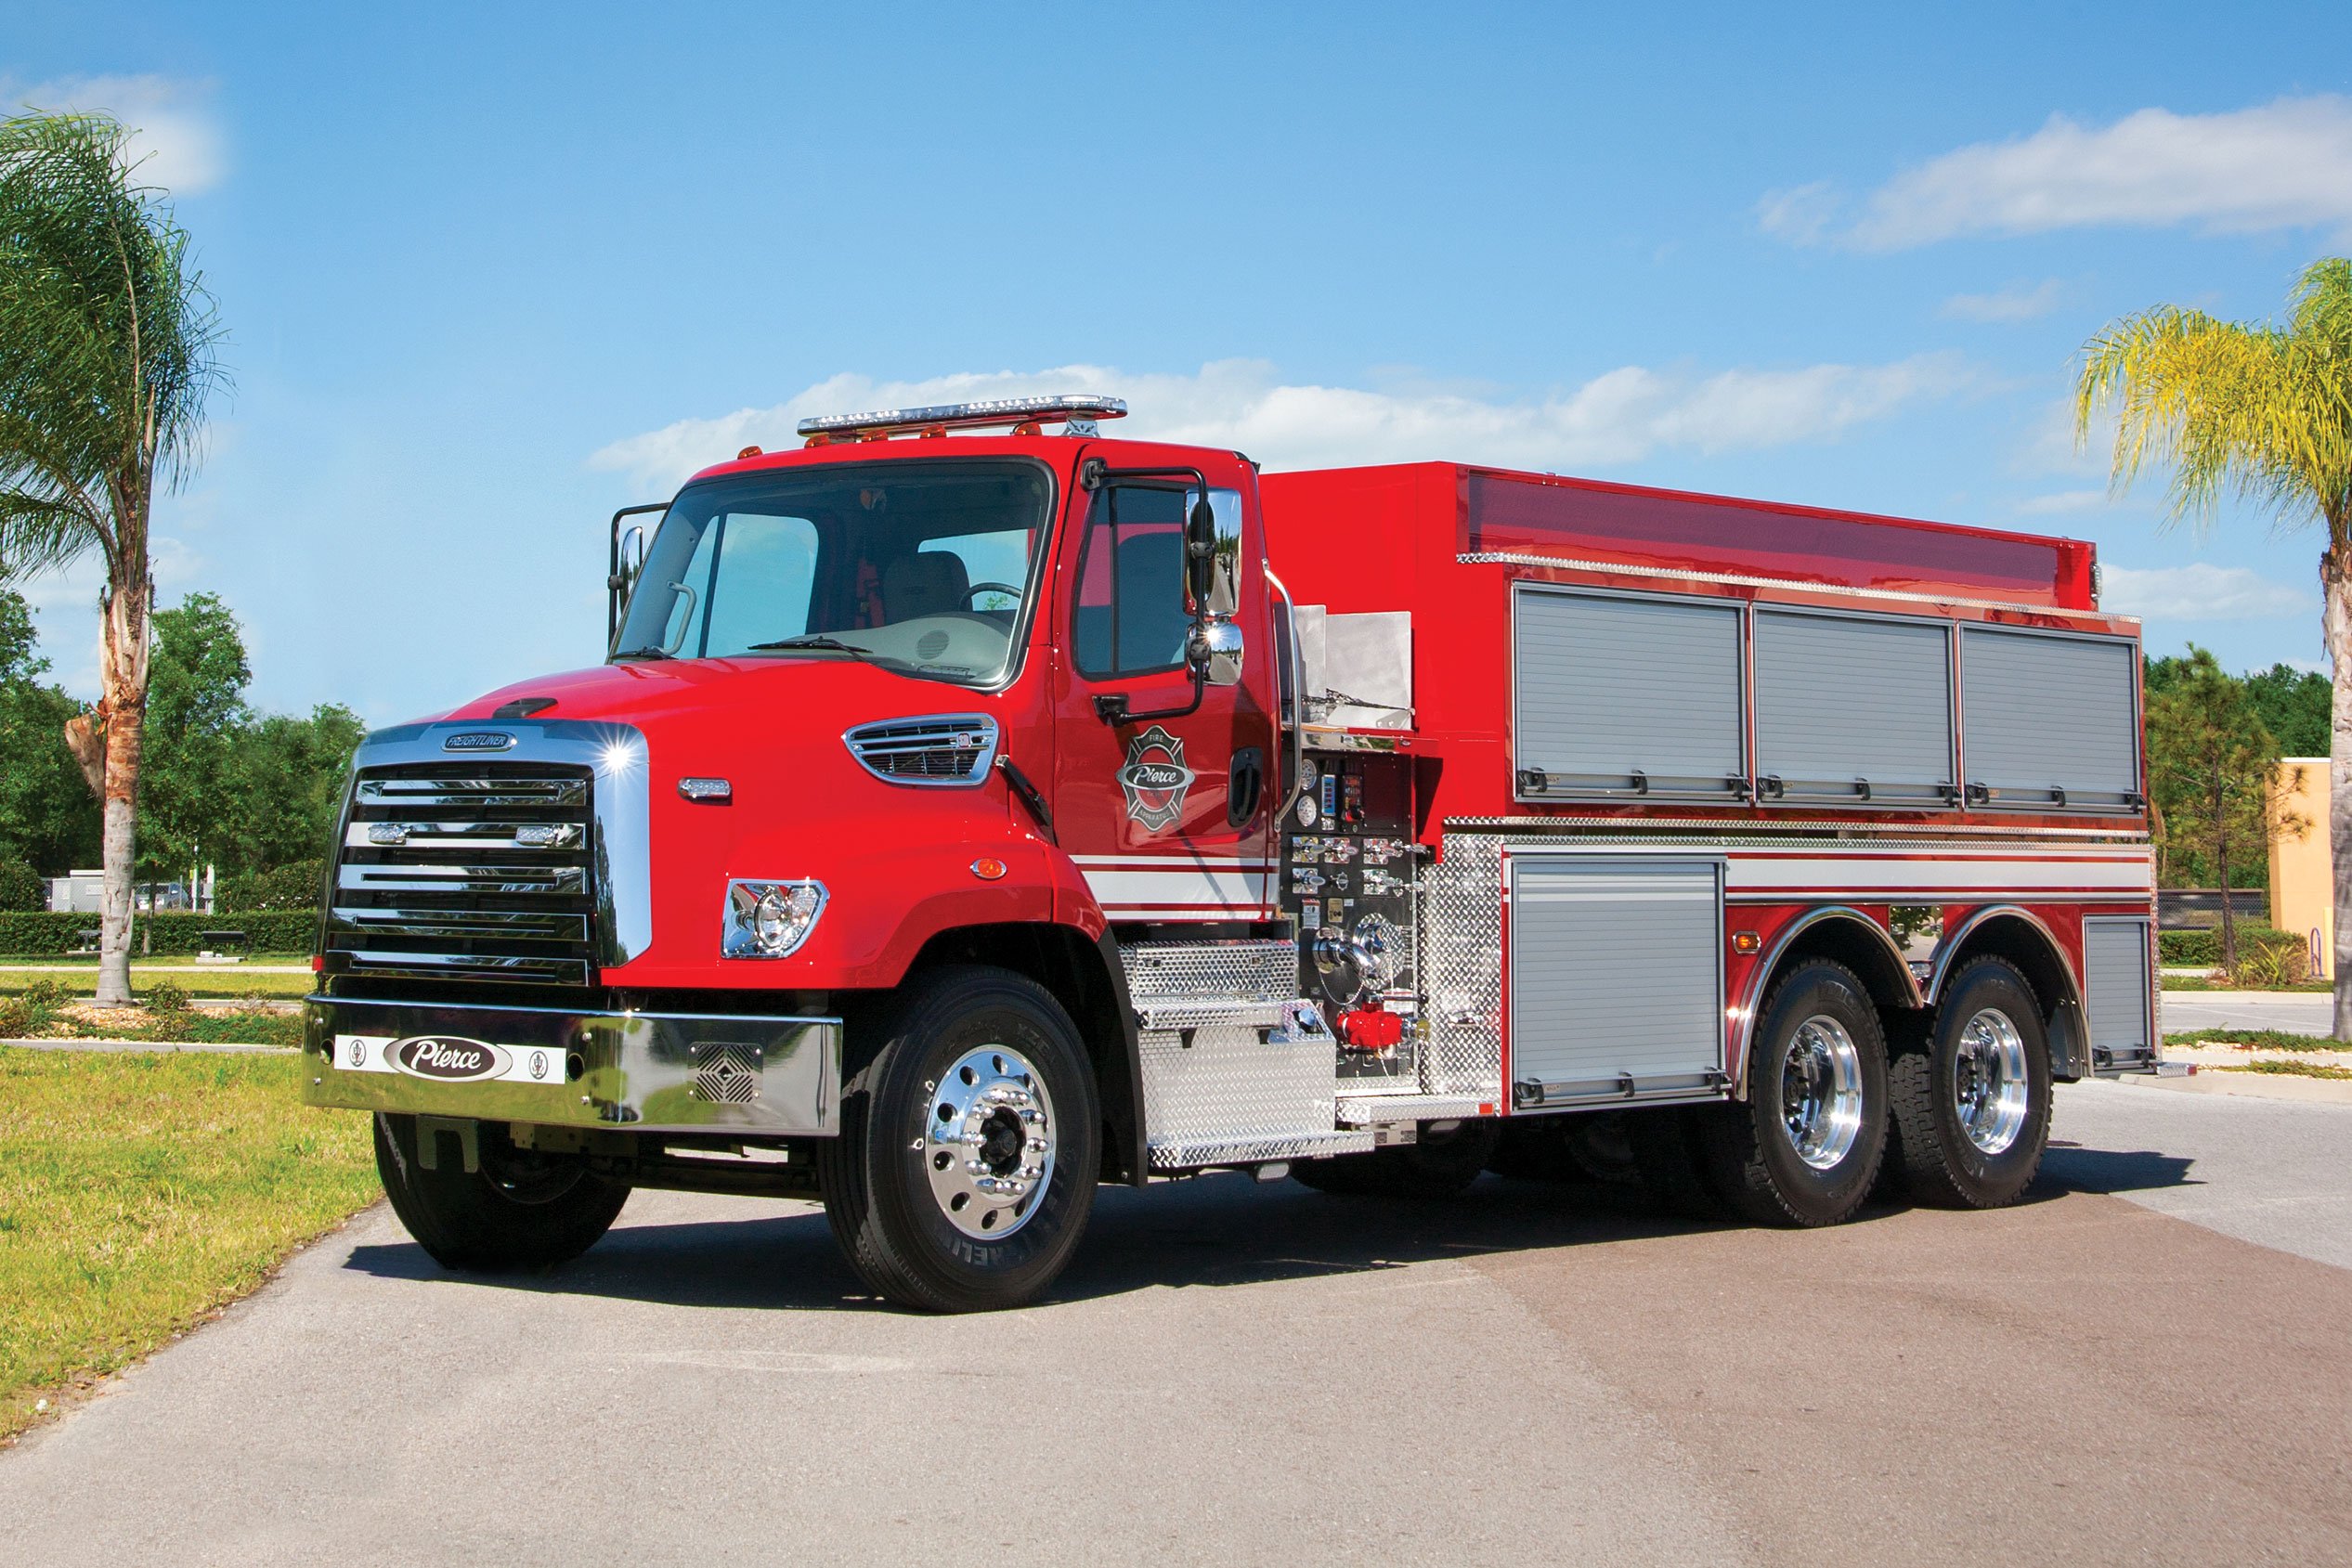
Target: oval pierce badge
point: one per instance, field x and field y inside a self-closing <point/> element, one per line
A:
<point x="447" y="1058"/>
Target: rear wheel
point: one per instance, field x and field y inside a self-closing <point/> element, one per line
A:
<point x="519" y="1210"/>
<point x="1439" y="1162"/>
<point x="966" y="1166"/>
<point x="1806" y="1146"/>
<point x="1972" y="1102"/>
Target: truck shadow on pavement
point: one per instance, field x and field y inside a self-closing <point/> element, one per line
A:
<point x="1222" y="1230"/>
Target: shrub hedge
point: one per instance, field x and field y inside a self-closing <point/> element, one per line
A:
<point x="46" y="933"/>
<point x="2203" y="946"/>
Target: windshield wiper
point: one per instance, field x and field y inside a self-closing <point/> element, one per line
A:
<point x="817" y="640"/>
<point x="647" y="651"/>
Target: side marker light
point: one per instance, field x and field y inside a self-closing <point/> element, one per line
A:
<point x="1747" y="942"/>
<point x="988" y="868"/>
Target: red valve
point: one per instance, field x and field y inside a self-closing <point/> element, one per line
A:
<point x="1370" y="1029"/>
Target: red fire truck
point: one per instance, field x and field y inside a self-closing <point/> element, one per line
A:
<point x="973" y="809"/>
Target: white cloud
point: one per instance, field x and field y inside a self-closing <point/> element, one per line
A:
<point x="1617" y="418"/>
<point x="2063" y="502"/>
<point x="176" y="141"/>
<point x="2201" y="591"/>
<point x="2286" y="164"/>
<point x="2014" y="303"/>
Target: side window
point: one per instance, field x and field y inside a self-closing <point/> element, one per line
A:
<point x="1130" y="617"/>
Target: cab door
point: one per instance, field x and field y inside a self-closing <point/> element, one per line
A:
<point x="1167" y="817"/>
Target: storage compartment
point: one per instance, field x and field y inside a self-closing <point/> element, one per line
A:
<point x="2118" y="985"/>
<point x="2049" y="720"/>
<point x="1853" y="709"/>
<point x="1616" y="980"/>
<point x="1618" y="696"/>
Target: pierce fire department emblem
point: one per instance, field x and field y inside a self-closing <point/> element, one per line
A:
<point x="1155" y="779"/>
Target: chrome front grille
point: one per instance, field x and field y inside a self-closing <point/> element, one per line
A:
<point x="476" y="870"/>
<point x="956" y="748"/>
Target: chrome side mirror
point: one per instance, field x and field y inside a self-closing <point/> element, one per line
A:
<point x="1214" y="649"/>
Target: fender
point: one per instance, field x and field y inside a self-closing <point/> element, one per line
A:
<point x="1947" y="956"/>
<point x="1743" y="1021"/>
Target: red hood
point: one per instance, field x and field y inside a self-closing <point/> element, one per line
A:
<point x="824" y="693"/>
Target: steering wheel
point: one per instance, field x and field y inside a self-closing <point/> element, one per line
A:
<point x="989" y="587"/>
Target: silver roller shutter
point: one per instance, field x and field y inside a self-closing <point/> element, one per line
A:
<point x="2049" y="720"/>
<point x="1615" y="973"/>
<point x="2116" y="981"/>
<point x="1848" y="707"/>
<point x="1626" y="696"/>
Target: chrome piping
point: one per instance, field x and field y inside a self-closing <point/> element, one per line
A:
<point x="620" y="849"/>
<point x="1743" y="1025"/>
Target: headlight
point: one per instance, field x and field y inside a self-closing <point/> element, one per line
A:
<point x="770" y="919"/>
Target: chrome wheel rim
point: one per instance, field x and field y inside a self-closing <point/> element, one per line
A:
<point x="1989" y="1086"/>
<point x="987" y="1142"/>
<point x="1821" y="1091"/>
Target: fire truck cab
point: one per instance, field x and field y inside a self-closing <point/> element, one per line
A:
<point x="974" y="808"/>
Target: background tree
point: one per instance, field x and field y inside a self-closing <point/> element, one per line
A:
<point x="107" y="339"/>
<point x="2263" y="411"/>
<point x="196" y="714"/>
<point x="2210" y="761"/>
<point x="47" y="819"/>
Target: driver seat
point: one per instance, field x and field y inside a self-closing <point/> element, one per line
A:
<point x="928" y="582"/>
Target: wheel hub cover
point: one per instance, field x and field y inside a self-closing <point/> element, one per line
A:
<point x="987" y="1144"/>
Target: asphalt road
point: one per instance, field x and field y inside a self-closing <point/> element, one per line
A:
<point x="2298" y="1012"/>
<point x="1242" y="1374"/>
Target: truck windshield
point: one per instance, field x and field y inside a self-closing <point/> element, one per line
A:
<point x="920" y="566"/>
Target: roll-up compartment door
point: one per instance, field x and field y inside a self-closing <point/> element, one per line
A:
<point x="2049" y="720"/>
<point x="1615" y="978"/>
<point x="1852" y="707"/>
<point x="1620" y="695"/>
<point x="2116" y="984"/>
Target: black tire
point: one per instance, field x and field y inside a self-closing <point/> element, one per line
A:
<point x="1751" y="1154"/>
<point x="1940" y="1162"/>
<point x="520" y="1209"/>
<point x="1434" y="1165"/>
<point x="879" y="1189"/>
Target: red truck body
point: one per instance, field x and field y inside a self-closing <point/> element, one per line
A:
<point x="1294" y="925"/>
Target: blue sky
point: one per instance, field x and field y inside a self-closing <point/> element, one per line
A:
<point x="490" y="272"/>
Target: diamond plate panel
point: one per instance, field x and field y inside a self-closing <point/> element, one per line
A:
<point x="1462" y="945"/>
<point x="1238" y="971"/>
<point x="1234" y="1087"/>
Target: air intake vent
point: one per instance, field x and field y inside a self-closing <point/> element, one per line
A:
<point x="476" y="871"/>
<point x="956" y="748"/>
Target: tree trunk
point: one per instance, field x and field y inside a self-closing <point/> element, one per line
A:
<point x="2335" y="577"/>
<point x="123" y="710"/>
<point x="2221" y="875"/>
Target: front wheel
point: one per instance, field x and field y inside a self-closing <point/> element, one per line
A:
<point x="1972" y="1106"/>
<point x="519" y="1210"/>
<point x="1806" y="1146"/>
<point x="969" y="1146"/>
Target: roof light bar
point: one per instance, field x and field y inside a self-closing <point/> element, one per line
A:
<point x="1061" y="408"/>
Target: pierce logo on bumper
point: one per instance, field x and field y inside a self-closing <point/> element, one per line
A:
<point x="447" y="1058"/>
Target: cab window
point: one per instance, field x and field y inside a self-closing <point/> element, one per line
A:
<point x="1130" y="617"/>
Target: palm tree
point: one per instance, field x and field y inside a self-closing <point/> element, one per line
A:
<point x="106" y="362"/>
<point x="2262" y="411"/>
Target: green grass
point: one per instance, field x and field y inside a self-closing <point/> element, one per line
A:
<point x="208" y="983"/>
<point x="2183" y="983"/>
<point x="2257" y="1038"/>
<point x="2294" y="1070"/>
<point x="42" y="1012"/>
<point x="139" y="1192"/>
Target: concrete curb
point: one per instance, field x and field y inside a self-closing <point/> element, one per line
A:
<point x="2256" y="1086"/>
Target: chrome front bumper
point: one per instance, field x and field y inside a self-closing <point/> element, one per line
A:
<point x="641" y="1072"/>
